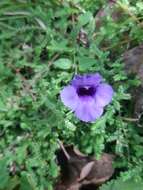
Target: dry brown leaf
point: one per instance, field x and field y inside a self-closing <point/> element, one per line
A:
<point x="79" y="171"/>
<point x="102" y="169"/>
<point x="77" y="152"/>
<point x="86" y="170"/>
<point x="133" y="60"/>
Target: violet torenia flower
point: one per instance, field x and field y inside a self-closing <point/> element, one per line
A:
<point x="87" y="96"/>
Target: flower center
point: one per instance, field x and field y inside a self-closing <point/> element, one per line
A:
<point x="86" y="91"/>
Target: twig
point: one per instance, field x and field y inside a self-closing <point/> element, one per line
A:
<point x="130" y="119"/>
<point x="64" y="150"/>
<point x="121" y="43"/>
<point x="53" y="59"/>
<point x="25" y="13"/>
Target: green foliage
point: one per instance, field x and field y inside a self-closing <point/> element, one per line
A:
<point x="40" y="51"/>
<point x="4" y="177"/>
<point x="62" y="63"/>
<point x="120" y="185"/>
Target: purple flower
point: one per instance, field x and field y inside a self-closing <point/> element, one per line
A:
<point x="87" y="95"/>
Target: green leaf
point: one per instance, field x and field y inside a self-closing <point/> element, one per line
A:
<point x="85" y="18"/>
<point x="86" y="63"/>
<point x="59" y="46"/>
<point x="53" y="169"/>
<point x="13" y="183"/>
<point x="27" y="182"/>
<point x="63" y="63"/>
<point x="4" y="174"/>
<point x="2" y="106"/>
<point x="99" y="125"/>
<point x="122" y="185"/>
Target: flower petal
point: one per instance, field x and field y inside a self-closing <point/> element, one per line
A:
<point x="69" y="97"/>
<point x="86" y="80"/>
<point x="87" y="110"/>
<point x="103" y="95"/>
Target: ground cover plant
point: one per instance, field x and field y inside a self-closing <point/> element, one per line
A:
<point x="44" y="44"/>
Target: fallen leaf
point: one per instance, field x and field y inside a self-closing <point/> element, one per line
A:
<point x="74" y="187"/>
<point x="78" y="152"/>
<point x="81" y="171"/>
<point x="133" y="60"/>
<point x="102" y="169"/>
<point x="86" y="170"/>
<point x="70" y="169"/>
